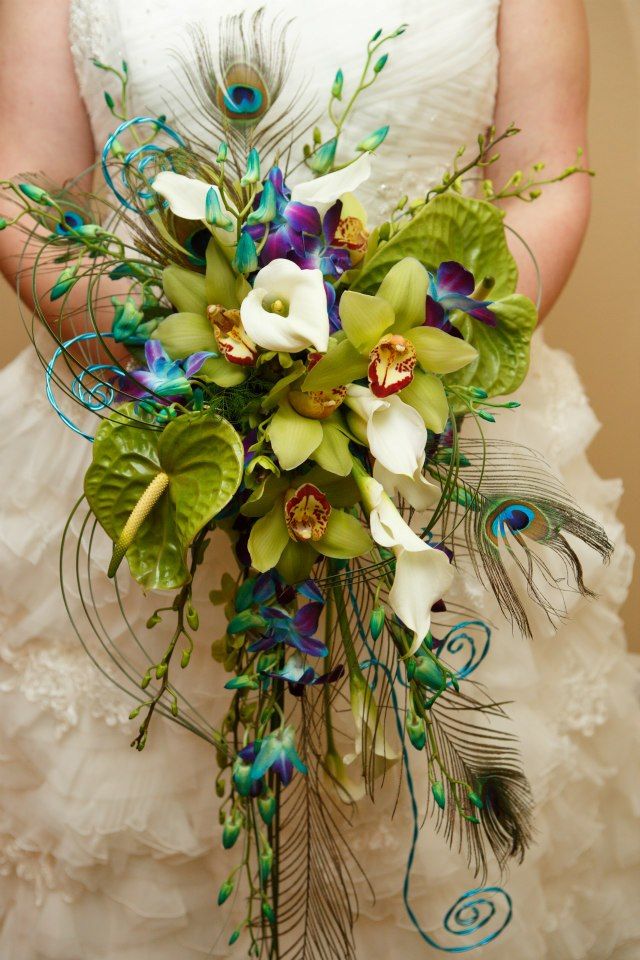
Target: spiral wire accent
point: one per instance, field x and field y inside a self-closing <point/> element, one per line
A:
<point x="138" y="159"/>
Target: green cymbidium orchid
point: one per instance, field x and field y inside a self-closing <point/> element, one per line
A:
<point x="385" y="340"/>
<point x="190" y="329"/>
<point x="300" y="519"/>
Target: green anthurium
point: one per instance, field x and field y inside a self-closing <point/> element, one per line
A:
<point x="201" y="457"/>
<point x="470" y="232"/>
<point x="503" y="351"/>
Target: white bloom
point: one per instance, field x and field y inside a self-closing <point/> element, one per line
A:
<point x="287" y="308"/>
<point x="187" y="198"/>
<point x="396" y="433"/>
<point x="322" y="192"/>
<point x="423" y="575"/>
<point x="417" y="490"/>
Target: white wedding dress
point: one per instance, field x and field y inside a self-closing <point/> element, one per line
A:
<point x="108" y="854"/>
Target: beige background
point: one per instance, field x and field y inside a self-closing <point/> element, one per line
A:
<point x="597" y="316"/>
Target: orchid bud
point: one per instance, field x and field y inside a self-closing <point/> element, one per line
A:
<point x="214" y="213"/>
<point x="63" y="284"/>
<point x="321" y="160"/>
<point x="246" y="258"/>
<point x="379" y="65"/>
<point x="267" y="806"/>
<point x="376" y="622"/>
<point x="35" y="193"/>
<point x="338" y="83"/>
<point x="252" y="174"/>
<point x="231" y="830"/>
<point x="373" y="141"/>
<point x="223" y="152"/>
<point x="225" y="891"/>
<point x="266" y="211"/>
<point x="437" y="789"/>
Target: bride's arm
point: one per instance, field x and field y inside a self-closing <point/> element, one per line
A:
<point x="43" y="122"/>
<point x="543" y="86"/>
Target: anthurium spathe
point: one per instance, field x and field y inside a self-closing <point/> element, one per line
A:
<point x="287" y="309"/>
<point x="301" y="525"/>
<point x="387" y="341"/>
<point x="422" y="575"/>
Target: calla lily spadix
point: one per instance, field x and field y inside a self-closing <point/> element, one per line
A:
<point x="396" y="433"/>
<point x="422" y="575"/>
<point x="287" y="309"/>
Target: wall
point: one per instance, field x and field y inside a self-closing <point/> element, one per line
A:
<point x="597" y="318"/>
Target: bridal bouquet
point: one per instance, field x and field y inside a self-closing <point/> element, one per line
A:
<point x="321" y="389"/>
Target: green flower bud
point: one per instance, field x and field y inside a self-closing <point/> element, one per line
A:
<point x="437" y="789"/>
<point x="225" y="891"/>
<point x="373" y="141"/>
<point x="246" y="258"/>
<point x="35" y="193"/>
<point x="3" y="223"/>
<point x="416" y="731"/>
<point x="153" y="620"/>
<point x="475" y="799"/>
<point x="242" y="777"/>
<point x="108" y="99"/>
<point x="266" y="211"/>
<point x="243" y="682"/>
<point x="63" y="284"/>
<point x="376" y="36"/>
<point x="425" y="670"/>
<point x="223" y="152"/>
<point x="338" y="84"/>
<point x="379" y="65"/>
<point x="231" y="830"/>
<point x="321" y="160"/>
<point x="234" y="937"/>
<point x="146" y="680"/>
<point x="265" y="863"/>
<point x="267" y="806"/>
<point x="134" y="713"/>
<point x="192" y="617"/>
<point x="161" y="669"/>
<point x="267" y="912"/>
<point x="214" y="214"/>
<point x="376" y="622"/>
<point x="252" y="174"/>
<point x="185" y="658"/>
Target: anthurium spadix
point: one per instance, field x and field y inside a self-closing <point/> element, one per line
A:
<point x="287" y="309"/>
<point x="386" y="340"/>
<point x="423" y="574"/>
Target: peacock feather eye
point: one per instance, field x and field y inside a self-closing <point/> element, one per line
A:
<point x="244" y="96"/>
<point x="515" y="516"/>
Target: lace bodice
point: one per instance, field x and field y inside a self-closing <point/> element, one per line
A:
<point x="437" y="91"/>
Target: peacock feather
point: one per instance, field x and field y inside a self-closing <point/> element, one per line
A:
<point x="512" y="511"/>
<point x="240" y="85"/>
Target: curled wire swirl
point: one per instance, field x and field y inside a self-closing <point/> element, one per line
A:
<point x="472" y="637"/>
<point x="94" y="397"/>
<point x="138" y="160"/>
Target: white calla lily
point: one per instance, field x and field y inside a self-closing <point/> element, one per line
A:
<point x="417" y="490"/>
<point x="187" y="198"/>
<point x="287" y="308"/>
<point x="423" y="574"/>
<point x="396" y="433"/>
<point x="322" y="192"/>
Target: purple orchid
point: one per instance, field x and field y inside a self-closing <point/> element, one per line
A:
<point x="450" y="289"/>
<point x="298" y="676"/>
<point x="164" y="378"/>
<point x="277" y="752"/>
<point x="297" y="631"/>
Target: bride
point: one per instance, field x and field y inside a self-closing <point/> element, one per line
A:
<point x="109" y="854"/>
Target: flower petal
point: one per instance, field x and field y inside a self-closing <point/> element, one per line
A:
<point x="438" y="352"/>
<point x="307" y="618"/>
<point x="453" y="278"/>
<point x="396" y="432"/>
<point x="307" y="321"/>
<point x="405" y="289"/>
<point x="364" y="319"/>
<point x="323" y="191"/>
<point x="418" y="490"/>
<point x="187" y="198"/>
<point x="427" y="394"/>
<point x="421" y="578"/>
<point x="268" y="538"/>
<point x="293" y="438"/>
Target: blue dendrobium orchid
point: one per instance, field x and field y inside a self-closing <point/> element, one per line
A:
<point x="165" y="378"/>
<point x="296" y="230"/>
<point x="278" y="752"/>
<point x="299" y="676"/>
<point x="450" y="289"/>
<point x="297" y="631"/>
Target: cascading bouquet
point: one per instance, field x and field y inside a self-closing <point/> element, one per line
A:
<point x="317" y="387"/>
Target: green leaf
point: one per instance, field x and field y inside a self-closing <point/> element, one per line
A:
<point x="185" y="333"/>
<point x="426" y="393"/>
<point x="503" y="351"/>
<point x="185" y="289"/>
<point x="449" y="227"/>
<point x="405" y="288"/>
<point x="203" y="456"/>
<point x="341" y="365"/>
<point x="344" y="538"/>
<point x="293" y="438"/>
<point x="268" y="538"/>
<point x="365" y="319"/>
<point x="333" y="453"/>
